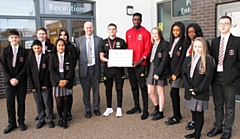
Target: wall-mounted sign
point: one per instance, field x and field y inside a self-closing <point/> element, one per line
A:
<point x="65" y="8"/>
<point x="181" y="7"/>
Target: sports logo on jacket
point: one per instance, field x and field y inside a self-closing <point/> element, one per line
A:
<point x="140" y="37"/>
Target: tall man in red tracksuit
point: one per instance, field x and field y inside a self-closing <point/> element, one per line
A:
<point x="139" y="40"/>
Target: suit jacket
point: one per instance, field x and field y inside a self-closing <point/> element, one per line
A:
<point x="178" y="56"/>
<point x="161" y="60"/>
<point x="68" y="70"/>
<point x="82" y="55"/>
<point x="40" y="78"/>
<point x="72" y="51"/>
<point x="231" y="62"/>
<point x="199" y="82"/>
<point x="20" y="70"/>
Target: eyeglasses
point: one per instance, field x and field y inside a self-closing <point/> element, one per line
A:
<point x="224" y="24"/>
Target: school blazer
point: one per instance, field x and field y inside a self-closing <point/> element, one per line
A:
<point x="161" y="60"/>
<point x="40" y="78"/>
<point x="20" y="70"/>
<point x="231" y="62"/>
<point x="68" y="70"/>
<point x="72" y="51"/>
<point x="178" y="56"/>
<point x="50" y="48"/>
<point x="200" y="82"/>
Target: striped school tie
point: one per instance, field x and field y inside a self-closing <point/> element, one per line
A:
<point x="14" y="57"/>
<point x="221" y="52"/>
<point x="61" y="62"/>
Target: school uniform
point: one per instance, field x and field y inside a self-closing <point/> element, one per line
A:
<point x="158" y="63"/>
<point x="38" y="75"/>
<point x="19" y="71"/>
<point x="48" y="48"/>
<point x="194" y="78"/>
<point x="113" y="73"/>
<point x="226" y="79"/>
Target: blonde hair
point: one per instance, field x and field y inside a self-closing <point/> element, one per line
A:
<point x="204" y="54"/>
<point x="160" y="35"/>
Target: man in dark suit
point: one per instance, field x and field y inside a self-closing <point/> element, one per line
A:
<point x="13" y="64"/>
<point x="226" y="52"/>
<point x="88" y="48"/>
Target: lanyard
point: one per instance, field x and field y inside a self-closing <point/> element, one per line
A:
<point x="114" y="43"/>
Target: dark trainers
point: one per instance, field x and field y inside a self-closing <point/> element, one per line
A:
<point x="134" y="110"/>
<point x="154" y="112"/>
<point x="190" y="125"/>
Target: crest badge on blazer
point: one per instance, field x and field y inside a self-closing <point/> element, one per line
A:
<point x="200" y="70"/>
<point x="44" y="66"/>
<point x="159" y="55"/>
<point x="21" y="59"/>
<point x="231" y="52"/>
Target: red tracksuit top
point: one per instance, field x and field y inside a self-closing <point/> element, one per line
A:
<point x="139" y="40"/>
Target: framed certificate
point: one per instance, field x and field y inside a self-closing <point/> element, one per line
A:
<point x="120" y="58"/>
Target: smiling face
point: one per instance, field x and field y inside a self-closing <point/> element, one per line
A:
<point x="176" y="31"/>
<point x="155" y="35"/>
<point x="197" y="47"/>
<point x="41" y="35"/>
<point x="88" y="28"/>
<point x="112" y="31"/>
<point x="60" y="46"/>
<point x="191" y="33"/>
<point x="63" y="35"/>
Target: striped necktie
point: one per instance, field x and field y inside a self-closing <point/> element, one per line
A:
<point x="89" y="51"/>
<point x="14" y="57"/>
<point x="61" y="62"/>
<point x="153" y="52"/>
<point x="221" y="52"/>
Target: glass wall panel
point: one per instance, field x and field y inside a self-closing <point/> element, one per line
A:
<point x="17" y="7"/>
<point x="26" y="27"/>
<point x="65" y="8"/>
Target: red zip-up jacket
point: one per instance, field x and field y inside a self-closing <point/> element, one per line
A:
<point x="139" y="40"/>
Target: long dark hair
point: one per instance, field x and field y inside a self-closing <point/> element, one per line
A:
<point x="67" y="34"/>
<point x="59" y="39"/>
<point x="182" y="34"/>
<point x="198" y="32"/>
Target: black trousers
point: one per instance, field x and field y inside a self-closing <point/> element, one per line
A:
<point x="119" y="81"/>
<point x="137" y="78"/>
<point x="223" y="96"/>
<point x="20" y="92"/>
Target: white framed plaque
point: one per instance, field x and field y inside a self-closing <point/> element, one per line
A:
<point x="120" y="58"/>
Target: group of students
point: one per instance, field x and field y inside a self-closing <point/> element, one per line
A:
<point x="187" y="60"/>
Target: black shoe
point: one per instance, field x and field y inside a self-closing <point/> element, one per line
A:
<point x="60" y="122"/>
<point x="158" y="116"/>
<point x="190" y="125"/>
<point x="154" y="112"/>
<point x="172" y="121"/>
<point x="97" y="112"/>
<point x="214" y="132"/>
<point x="88" y="114"/>
<point x="69" y="116"/>
<point x="22" y="127"/>
<point x="189" y="136"/>
<point x="134" y="110"/>
<point x="51" y="124"/>
<point x="64" y="124"/>
<point x="40" y="125"/>
<point x="9" y="128"/>
<point x="36" y="118"/>
<point x="144" y="115"/>
<point x="226" y="136"/>
<point x="53" y="116"/>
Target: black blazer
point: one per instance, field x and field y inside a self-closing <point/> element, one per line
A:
<point x="40" y="78"/>
<point x="200" y="82"/>
<point x="72" y="51"/>
<point x="20" y="70"/>
<point x="231" y="62"/>
<point x="68" y="70"/>
<point x="50" y="48"/>
<point x="178" y="56"/>
<point x="161" y="60"/>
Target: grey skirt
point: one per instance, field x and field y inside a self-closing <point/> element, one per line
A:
<point x="61" y="91"/>
<point x="177" y="83"/>
<point x="150" y="79"/>
<point x="196" y="105"/>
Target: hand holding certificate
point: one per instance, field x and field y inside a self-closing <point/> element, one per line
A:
<point x="120" y="58"/>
